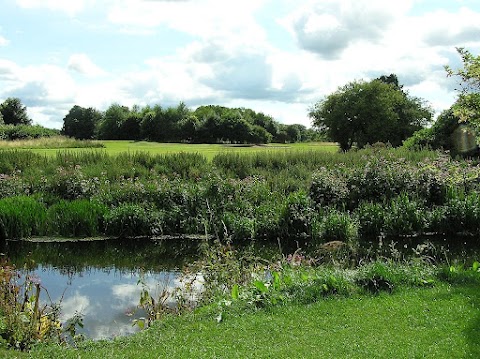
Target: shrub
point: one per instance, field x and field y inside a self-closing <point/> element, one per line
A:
<point x="371" y="218"/>
<point x="131" y="220"/>
<point x="462" y="214"/>
<point x="338" y="226"/>
<point x="329" y="187"/>
<point x="308" y="286"/>
<point x="239" y="228"/>
<point x="23" y="320"/>
<point x="296" y="218"/>
<point x="404" y="217"/>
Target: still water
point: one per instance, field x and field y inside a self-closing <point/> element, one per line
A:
<point x="100" y="279"/>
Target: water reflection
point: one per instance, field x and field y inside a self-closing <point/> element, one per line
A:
<point x="100" y="280"/>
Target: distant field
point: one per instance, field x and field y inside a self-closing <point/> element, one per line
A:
<point x="208" y="150"/>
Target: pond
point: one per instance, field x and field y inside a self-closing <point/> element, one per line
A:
<point x="100" y="279"/>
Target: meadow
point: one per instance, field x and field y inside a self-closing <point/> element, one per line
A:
<point x="209" y="151"/>
<point x="349" y="229"/>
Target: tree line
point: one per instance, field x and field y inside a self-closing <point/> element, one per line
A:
<point x="206" y="124"/>
<point x="356" y="114"/>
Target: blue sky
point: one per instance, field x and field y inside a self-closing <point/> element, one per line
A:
<point x="274" y="56"/>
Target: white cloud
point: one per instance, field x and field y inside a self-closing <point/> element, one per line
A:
<point x="82" y="64"/>
<point x="75" y="304"/>
<point x="452" y="29"/>
<point x="328" y="27"/>
<point x="206" y="19"/>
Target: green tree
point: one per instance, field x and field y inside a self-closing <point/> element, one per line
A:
<point x="110" y="126"/>
<point x="14" y="112"/>
<point x="367" y="112"/>
<point x="467" y="106"/>
<point x="81" y="122"/>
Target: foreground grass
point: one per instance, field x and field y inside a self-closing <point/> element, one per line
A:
<point x="440" y="322"/>
<point x="207" y="150"/>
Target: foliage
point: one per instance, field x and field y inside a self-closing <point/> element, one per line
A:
<point x="24" y="321"/>
<point x="386" y="276"/>
<point x="447" y="133"/>
<point x="338" y="226"/>
<point x="77" y="218"/>
<point x="80" y="123"/>
<point x="13" y="112"/>
<point x="21" y="217"/>
<point x="25" y="132"/>
<point x="363" y="113"/>
<point x="207" y="124"/>
<point x="132" y="220"/>
<point x="467" y="107"/>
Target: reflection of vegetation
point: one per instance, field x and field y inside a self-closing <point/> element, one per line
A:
<point x="119" y="254"/>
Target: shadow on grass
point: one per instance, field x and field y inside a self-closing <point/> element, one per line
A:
<point x="470" y="290"/>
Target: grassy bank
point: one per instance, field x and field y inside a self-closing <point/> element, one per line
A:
<point x="441" y="322"/>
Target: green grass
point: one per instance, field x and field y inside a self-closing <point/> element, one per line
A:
<point x="440" y="322"/>
<point x="208" y="150"/>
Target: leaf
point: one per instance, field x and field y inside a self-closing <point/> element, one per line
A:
<point x="276" y="280"/>
<point x="235" y="291"/>
<point x="475" y="266"/>
<point x="260" y="286"/>
<point x="219" y="318"/>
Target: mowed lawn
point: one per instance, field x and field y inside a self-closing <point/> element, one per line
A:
<point x="207" y="150"/>
<point x="440" y="322"/>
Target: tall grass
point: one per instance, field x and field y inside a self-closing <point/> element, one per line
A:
<point x="52" y="141"/>
<point x="78" y="218"/>
<point x="21" y="217"/>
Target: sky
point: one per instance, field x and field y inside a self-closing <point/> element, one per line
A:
<point x="278" y="57"/>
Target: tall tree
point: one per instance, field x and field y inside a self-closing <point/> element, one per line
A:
<point x="111" y="125"/>
<point x="14" y="112"/>
<point x="367" y="112"/>
<point x="81" y="122"/>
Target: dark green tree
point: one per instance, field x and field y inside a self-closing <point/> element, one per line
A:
<point x="110" y="127"/>
<point x="81" y="122"/>
<point x="363" y="113"/>
<point x="14" y="112"/>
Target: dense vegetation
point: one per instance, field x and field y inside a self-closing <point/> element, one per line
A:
<point x="297" y="197"/>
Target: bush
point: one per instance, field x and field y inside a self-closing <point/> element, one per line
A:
<point x="329" y="187"/>
<point x="296" y="218"/>
<point x="462" y="214"/>
<point x="338" y="226"/>
<point x="131" y="220"/>
<point x="386" y="276"/>
<point x="371" y="217"/>
<point x="404" y="217"/>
